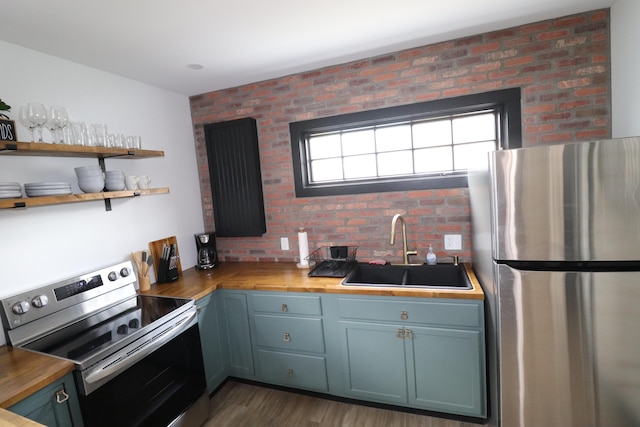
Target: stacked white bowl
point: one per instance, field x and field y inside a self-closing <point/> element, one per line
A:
<point x="114" y="180"/>
<point x="90" y="178"/>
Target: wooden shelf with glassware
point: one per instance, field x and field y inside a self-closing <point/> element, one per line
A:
<point x="62" y="150"/>
<point x="28" y="202"/>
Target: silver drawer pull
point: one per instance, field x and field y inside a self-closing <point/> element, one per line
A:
<point x="286" y="337"/>
<point x="408" y="333"/>
<point x="285" y="308"/>
<point x="400" y="333"/>
<point x="290" y="373"/>
<point x="404" y="315"/>
<point x="61" y="396"/>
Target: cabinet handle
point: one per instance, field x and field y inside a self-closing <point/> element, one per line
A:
<point x="286" y="337"/>
<point x="61" y="396"/>
<point x="408" y="333"/>
<point x="400" y="333"/>
<point x="404" y="315"/>
<point x="285" y="308"/>
<point x="290" y="373"/>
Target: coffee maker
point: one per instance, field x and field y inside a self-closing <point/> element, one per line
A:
<point x="207" y="254"/>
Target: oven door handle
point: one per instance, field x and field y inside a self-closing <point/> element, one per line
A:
<point x="119" y="362"/>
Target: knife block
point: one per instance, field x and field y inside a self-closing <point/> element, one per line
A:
<point x="164" y="274"/>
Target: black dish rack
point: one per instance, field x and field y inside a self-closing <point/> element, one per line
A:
<point x="332" y="261"/>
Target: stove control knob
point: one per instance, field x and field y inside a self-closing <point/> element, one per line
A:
<point x="39" y="301"/>
<point x="20" y="307"/>
<point x="112" y="276"/>
<point x="124" y="272"/>
<point x="123" y="329"/>
<point x="134" y="323"/>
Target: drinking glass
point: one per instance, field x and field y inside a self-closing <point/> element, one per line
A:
<point x="37" y="115"/>
<point x="100" y="131"/>
<point x="24" y="121"/>
<point x="79" y="130"/>
<point x="57" y="121"/>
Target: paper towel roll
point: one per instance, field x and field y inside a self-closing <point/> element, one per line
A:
<point x="303" y="247"/>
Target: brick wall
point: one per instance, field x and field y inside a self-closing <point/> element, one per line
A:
<point x="562" y="66"/>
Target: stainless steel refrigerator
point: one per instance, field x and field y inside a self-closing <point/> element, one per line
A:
<point x="556" y="245"/>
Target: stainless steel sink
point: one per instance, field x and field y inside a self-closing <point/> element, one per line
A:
<point x="440" y="276"/>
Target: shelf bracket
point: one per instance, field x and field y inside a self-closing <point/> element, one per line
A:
<point x="10" y="147"/>
<point x="107" y="205"/>
<point x="18" y="205"/>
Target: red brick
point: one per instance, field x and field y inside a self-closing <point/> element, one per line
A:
<point x="561" y="65"/>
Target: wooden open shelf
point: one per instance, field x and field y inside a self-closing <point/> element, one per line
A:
<point x="62" y="150"/>
<point x="29" y="202"/>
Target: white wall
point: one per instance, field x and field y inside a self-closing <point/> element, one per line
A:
<point x="42" y="245"/>
<point x="625" y="68"/>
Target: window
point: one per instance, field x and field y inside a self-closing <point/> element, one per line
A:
<point x="418" y="146"/>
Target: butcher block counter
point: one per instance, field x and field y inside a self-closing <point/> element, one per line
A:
<point x="23" y="372"/>
<point x="286" y="277"/>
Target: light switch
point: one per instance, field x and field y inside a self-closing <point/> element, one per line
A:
<point x="284" y="243"/>
<point x="452" y="242"/>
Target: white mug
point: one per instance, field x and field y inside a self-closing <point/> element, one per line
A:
<point x="143" y="182"/>
<point x="131" y="182"/>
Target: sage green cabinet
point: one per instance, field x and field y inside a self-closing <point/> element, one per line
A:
<point x="289" y="340"/>
<point x="431" y="357"/>
<point x="55" y="405"/>
<point x="211" y="340"/>
<point x="236" y="334"/>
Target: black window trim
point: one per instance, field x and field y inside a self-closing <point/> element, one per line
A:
<point x="506" y="100"/>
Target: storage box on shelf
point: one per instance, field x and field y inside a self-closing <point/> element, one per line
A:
<point x="11" y="148"/>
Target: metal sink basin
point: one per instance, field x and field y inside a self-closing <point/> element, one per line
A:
<point x="440" y="276"/>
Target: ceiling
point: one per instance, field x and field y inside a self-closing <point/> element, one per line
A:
<point x="243" y="41"/>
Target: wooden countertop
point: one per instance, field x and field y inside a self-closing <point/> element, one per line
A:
<point x="23" y="372"/>
<point x="286" y="277"/>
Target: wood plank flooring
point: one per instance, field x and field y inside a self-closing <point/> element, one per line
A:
<point x="244" y="405"/>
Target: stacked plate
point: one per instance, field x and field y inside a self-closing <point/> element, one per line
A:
<point x="10" y="190"/>
<point x="90" y="178"/>
<point x="114" y="180"/>
<point x="37" y="189"/>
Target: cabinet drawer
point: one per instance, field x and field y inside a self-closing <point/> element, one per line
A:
<point x="293" y="370"/>
<point x="445" y="313"/>
<point x="288" y="304"/>
<point x="290" y="333"/>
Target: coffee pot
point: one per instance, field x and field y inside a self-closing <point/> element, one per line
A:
<point x="207" y="255"/>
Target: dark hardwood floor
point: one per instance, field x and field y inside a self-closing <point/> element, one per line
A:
<point x="238" y="404"/>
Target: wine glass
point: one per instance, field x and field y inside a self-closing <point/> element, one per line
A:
<point x="37" y="115"/>
<point x="24" y="121"/>
<point x="58" y="119"/>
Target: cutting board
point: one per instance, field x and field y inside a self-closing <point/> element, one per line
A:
<point x="156" y="251"/>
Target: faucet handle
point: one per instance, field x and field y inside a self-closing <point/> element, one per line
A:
<point x="455" y="259"/>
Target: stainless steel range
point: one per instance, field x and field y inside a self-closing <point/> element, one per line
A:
<point x="138" y="359"/>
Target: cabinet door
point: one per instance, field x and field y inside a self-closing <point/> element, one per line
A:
<point x="211" y="341"/>
<point x="56" y="405"/>
<point x="445" y="368"/>
<point x="374" y="360"/>
<point x="238" y="336"/>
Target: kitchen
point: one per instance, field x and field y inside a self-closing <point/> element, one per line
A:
<point x="43" y="245"/>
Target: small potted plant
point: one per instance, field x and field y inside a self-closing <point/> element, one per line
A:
<point x="7" y="127"/>
<point x="4" y="107"/>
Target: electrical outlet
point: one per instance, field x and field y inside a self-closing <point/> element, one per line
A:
<point x="452" y="242"/>
<point x="284" y="243"/>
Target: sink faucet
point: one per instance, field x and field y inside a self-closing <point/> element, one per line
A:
<point x="405" y="248"/>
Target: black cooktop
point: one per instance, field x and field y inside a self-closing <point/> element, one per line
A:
<point x="106" y="328"/>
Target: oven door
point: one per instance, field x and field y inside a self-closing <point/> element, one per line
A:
<point x="154" y="391"/>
